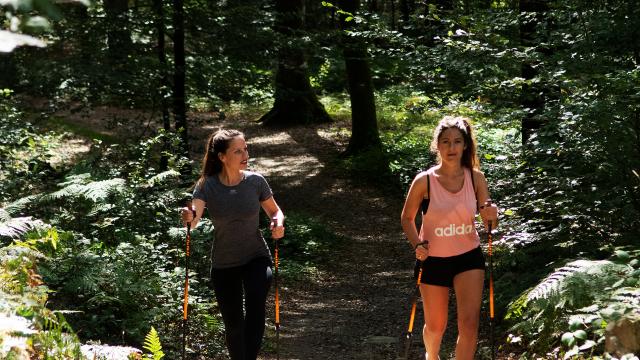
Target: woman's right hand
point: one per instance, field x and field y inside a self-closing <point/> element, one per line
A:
<point x="422" y="251"/>
<point x="188" y="214"/>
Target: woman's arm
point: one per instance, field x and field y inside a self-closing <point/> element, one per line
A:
<point x="277" y="217"/>
<point x="188" y="214"/>
<point x="412" y="203"/>
<point x="488" y="211"/>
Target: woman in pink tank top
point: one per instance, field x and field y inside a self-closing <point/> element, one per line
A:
<point x="447" y="245"/>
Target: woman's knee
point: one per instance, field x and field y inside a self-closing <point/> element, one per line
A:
<point x="468" y="324"/>
<point x="435" y="326"/>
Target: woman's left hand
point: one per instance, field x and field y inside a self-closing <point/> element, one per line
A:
<point x="277" y="229"/>
<point x="489" y="213"/>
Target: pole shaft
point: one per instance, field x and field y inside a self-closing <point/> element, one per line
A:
<point x="491" y="308"/>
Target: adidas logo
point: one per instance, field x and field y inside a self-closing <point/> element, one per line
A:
<point x="453" y="230"/>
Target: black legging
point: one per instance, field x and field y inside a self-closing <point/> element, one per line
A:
<point x="244" y="331"/>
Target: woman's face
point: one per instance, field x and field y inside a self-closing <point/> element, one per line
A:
<point x="237" y="156"/>
<point x="451" y="146"/>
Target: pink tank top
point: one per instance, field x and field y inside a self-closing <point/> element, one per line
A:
<point x="449" y="224"/>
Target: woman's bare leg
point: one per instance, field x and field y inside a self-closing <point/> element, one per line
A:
<point x="468" y="287"/>
<point x="435" y="301"/>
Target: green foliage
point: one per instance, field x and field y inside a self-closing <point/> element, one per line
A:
<point x="25" y="156"/>
<point x="16" y="227"/>
<point x="573" y="192"/>
<point x="308" y="243"/>
<point x="153" y="345"/>
<point x="572" y="306"/>
<point x="24" y="299"/>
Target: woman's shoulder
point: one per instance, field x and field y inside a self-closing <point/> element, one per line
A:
<point x="431" y="171"/>
<point x="478" y="178"/>
<point x="477" y="174"/>
<point x="248" y="174"/>
<point x="254" y="177"/>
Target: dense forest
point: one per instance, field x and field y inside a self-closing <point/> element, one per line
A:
<point x="104" y="107"/>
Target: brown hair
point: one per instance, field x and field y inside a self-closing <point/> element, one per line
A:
<point x="469" y="156"/>
<point x="217" y="143"/>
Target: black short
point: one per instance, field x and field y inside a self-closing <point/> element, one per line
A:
<point x="441" y="270"/>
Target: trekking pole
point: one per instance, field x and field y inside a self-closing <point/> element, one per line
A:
<point x="414" y="304"/>
<point x="277" y="293"/>
<point x="185" y="305"/>
<point x="491" y="312"/>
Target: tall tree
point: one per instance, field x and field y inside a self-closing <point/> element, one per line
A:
<point x="164" y="80"/>
<point x="532" y="17"/>
<point x="118" y="30"/>
<point x="406" y="7"/>
<point x="295" y="100"/>
<point x="364" y="125"/>
<point x="179" y="101"/>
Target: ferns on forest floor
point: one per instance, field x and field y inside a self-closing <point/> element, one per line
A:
<point x="573" y="304"/>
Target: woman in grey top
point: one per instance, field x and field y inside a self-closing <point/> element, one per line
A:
<point x="241" y="262"/>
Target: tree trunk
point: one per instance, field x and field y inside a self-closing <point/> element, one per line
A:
<point x="164" y="82"/>
<point x="531" y="97"/>
<point x="364" y="125"/>
<point x="393" y="14"/>
<point x="118" y="31"/>
<point x="9" y="78"/>
<point x="179" y="103"/>
<point x="405" y="10"/>
<point x="295" y="101"/>
<point x="372" y="5"/>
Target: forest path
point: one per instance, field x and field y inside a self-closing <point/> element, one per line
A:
<point x="362" y="291"/>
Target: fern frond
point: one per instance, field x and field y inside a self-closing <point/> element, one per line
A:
<point x="629" y="296"/>
<point x="79" y="179"/>
<point x="17" y="206"/>
<point x="94" y="191"/>
<point x="554" y="282"/>
<point x="153" y="345"/>
<point x="162" y="177"/>
<point x="16" y="227"/>
<point x="102" y="189"/>
<point x="4" y="216"/>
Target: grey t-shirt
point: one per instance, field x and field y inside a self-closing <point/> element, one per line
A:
<point x="235" y="212"/>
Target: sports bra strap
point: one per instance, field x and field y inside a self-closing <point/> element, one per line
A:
<point x="425" y="202"/>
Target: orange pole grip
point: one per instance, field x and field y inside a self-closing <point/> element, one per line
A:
<point x="413" y="316"/>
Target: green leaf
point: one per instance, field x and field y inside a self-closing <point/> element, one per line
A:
<point x="568" y="339"/>
<point x="573" y="352"/>
<point x="622" y="255"/>
<point x="153" y="345"/>
<point x="508" y="212"/>
<point x="587" y="345"/>
<point x="580" y="334"/>
<point x="574" y="324"/>
<point x="39" y="23"/>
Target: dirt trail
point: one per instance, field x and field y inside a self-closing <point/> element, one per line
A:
<point x="362" y="291"/>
